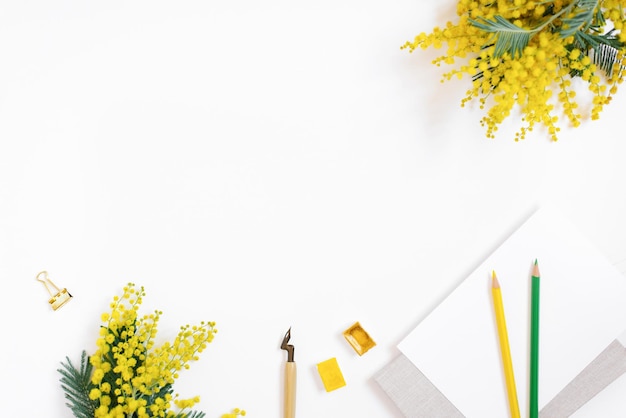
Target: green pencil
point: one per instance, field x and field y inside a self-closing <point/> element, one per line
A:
<point x="534" y="344"/>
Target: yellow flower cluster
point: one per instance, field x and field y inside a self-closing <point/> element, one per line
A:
<point x="130" y="376"/>
<point x="537" y="79"/>
<point x="236" y="413"/>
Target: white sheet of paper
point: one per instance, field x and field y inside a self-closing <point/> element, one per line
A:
<point x="582" y="310"/>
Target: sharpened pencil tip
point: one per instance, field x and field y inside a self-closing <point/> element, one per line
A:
<point x="494" y="280"/>
<point x="536" y="269"/>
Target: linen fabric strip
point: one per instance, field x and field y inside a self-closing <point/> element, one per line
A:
<point x="412" y="392"/>
<point x="416" y="397"/>
<point x="602" y="371"/>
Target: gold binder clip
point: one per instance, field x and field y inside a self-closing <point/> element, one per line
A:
<point x="58" y="299"/>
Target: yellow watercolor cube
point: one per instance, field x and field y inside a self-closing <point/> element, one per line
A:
<point x="359" y="339"/>
<point x="331" y="374"/>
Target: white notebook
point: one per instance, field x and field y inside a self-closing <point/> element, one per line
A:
<point x="582" y="311"/>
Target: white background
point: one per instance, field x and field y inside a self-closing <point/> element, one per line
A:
<point x="264" y="165"/>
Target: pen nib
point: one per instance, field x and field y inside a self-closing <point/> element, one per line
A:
<point x="288" y="347"/>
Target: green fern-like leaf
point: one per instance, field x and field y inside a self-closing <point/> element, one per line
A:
<point x="605" y="58"/>
<point x="191" y="414"/>
<point x="578" y="16"/>
<point x="587" y="41"/>
<point x="602" y="49"/>
<point x="581" y="20"/>
<point x="509" y="38"/>
<point x="77" y="383"/>
<point x="167" y="389"/>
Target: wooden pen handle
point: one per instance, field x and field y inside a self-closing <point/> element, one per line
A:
<point x="290" y="389"/>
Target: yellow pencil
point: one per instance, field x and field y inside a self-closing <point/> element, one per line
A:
<point x="504" y="347"/>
